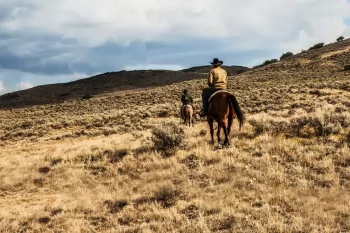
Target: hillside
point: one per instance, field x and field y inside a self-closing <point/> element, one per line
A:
<point x="99" y="84"/>
<point x="106" y="83"/>
<point x="99" y="164"/>
<point x="329" y="59"/>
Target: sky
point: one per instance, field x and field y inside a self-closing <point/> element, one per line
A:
<point x="55" y="41"/>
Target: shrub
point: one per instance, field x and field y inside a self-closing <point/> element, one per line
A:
<point x="166" y="195"/>
<point x="322" y="125"/>
<point x="168" y="138"/>
<point x="268" y="126"/>
<point x="347" y="138"/>
<point x="341" y="38"/>
<point x="286" y="55"/>
<point x="64" y="94"/>
<point x="115" y="206"/>
<point x="305" y="127"/>
<point x="87" y="96"/>
<point x="346" y="67"/>
<point x="260" y="126"/>
<point x="267" y="62"/>
<point x="317" y="46"/>
<point x="163" y="113"/>
<point x="240" y="71"/>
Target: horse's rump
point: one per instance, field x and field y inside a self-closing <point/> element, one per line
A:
<point x="189" y="109"/>
<point x="223" y="108"/>
<point x="224" y="101"/>
<point x="188" y="114"/>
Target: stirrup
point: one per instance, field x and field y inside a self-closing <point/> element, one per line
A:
<point x="202" y="114"/>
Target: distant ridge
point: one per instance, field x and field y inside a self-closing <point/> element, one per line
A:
<point x="106" y="83"/>
<point x="231" y="70"/>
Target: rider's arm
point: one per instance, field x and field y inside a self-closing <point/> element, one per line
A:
<point x="210" y="79"/>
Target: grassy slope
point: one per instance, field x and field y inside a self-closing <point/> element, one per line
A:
<point x="87" y="166"/>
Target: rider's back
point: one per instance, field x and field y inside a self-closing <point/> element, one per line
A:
<point x="217" y="78"/>
<point x="186" y="99"/>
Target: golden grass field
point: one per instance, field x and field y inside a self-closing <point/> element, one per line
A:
<point x="93" y="165"/>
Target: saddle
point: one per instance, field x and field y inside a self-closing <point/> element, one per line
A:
<point x="216" y="92"/>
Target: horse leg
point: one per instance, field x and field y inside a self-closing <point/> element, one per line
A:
<point x="226" y="131"/>
<point x="185" y="115"/>
<point x="218" y="133"/>
<point x="210" y="122"/>
<point x="229" y="124"/>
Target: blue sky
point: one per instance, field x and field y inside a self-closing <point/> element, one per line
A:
<point x="50" y="41"/>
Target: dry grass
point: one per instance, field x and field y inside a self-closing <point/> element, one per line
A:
<point x="92" y="165"/>
<point x="121" y="183"/>
<point x="347" y="49"/>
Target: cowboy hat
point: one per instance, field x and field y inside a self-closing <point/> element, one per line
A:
<point x="216" y="62"/>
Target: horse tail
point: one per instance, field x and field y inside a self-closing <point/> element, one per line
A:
<point x="238" y="111"/>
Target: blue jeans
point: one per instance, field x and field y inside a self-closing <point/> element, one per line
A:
<point x="207" y="92"/>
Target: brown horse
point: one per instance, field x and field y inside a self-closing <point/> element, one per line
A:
<point x="189" y="115"/>
<point x="224" y="108"/>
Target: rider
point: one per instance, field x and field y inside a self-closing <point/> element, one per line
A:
<point x="217" y="80"/>
<point x="186" y="98"/>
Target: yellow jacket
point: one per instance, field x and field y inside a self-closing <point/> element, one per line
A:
<point x="217" y="78"/>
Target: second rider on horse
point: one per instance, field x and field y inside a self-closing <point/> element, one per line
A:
<point x="186" y="99"/>
<point x="217" y="80"/>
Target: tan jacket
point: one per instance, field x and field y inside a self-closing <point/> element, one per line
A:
<point x="217" y="78"/>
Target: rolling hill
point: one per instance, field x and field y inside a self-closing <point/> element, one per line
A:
<point x="122" y="161"/>
<point x="231" y="70"/>
<point x="106" y="83"/>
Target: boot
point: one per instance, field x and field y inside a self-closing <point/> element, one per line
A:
<point x="202" y="114"/>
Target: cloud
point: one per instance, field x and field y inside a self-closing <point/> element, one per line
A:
<point x="94" y="23"/>
<point x="25" y="85"/>
<point x="39" y="38"/>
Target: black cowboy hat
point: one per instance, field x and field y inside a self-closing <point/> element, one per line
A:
<point x="185" y="91"/>
<point x="216" y="62"/>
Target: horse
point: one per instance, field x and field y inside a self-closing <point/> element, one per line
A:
<point x="223" y="108"/>
<point x="189" y="115"/>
